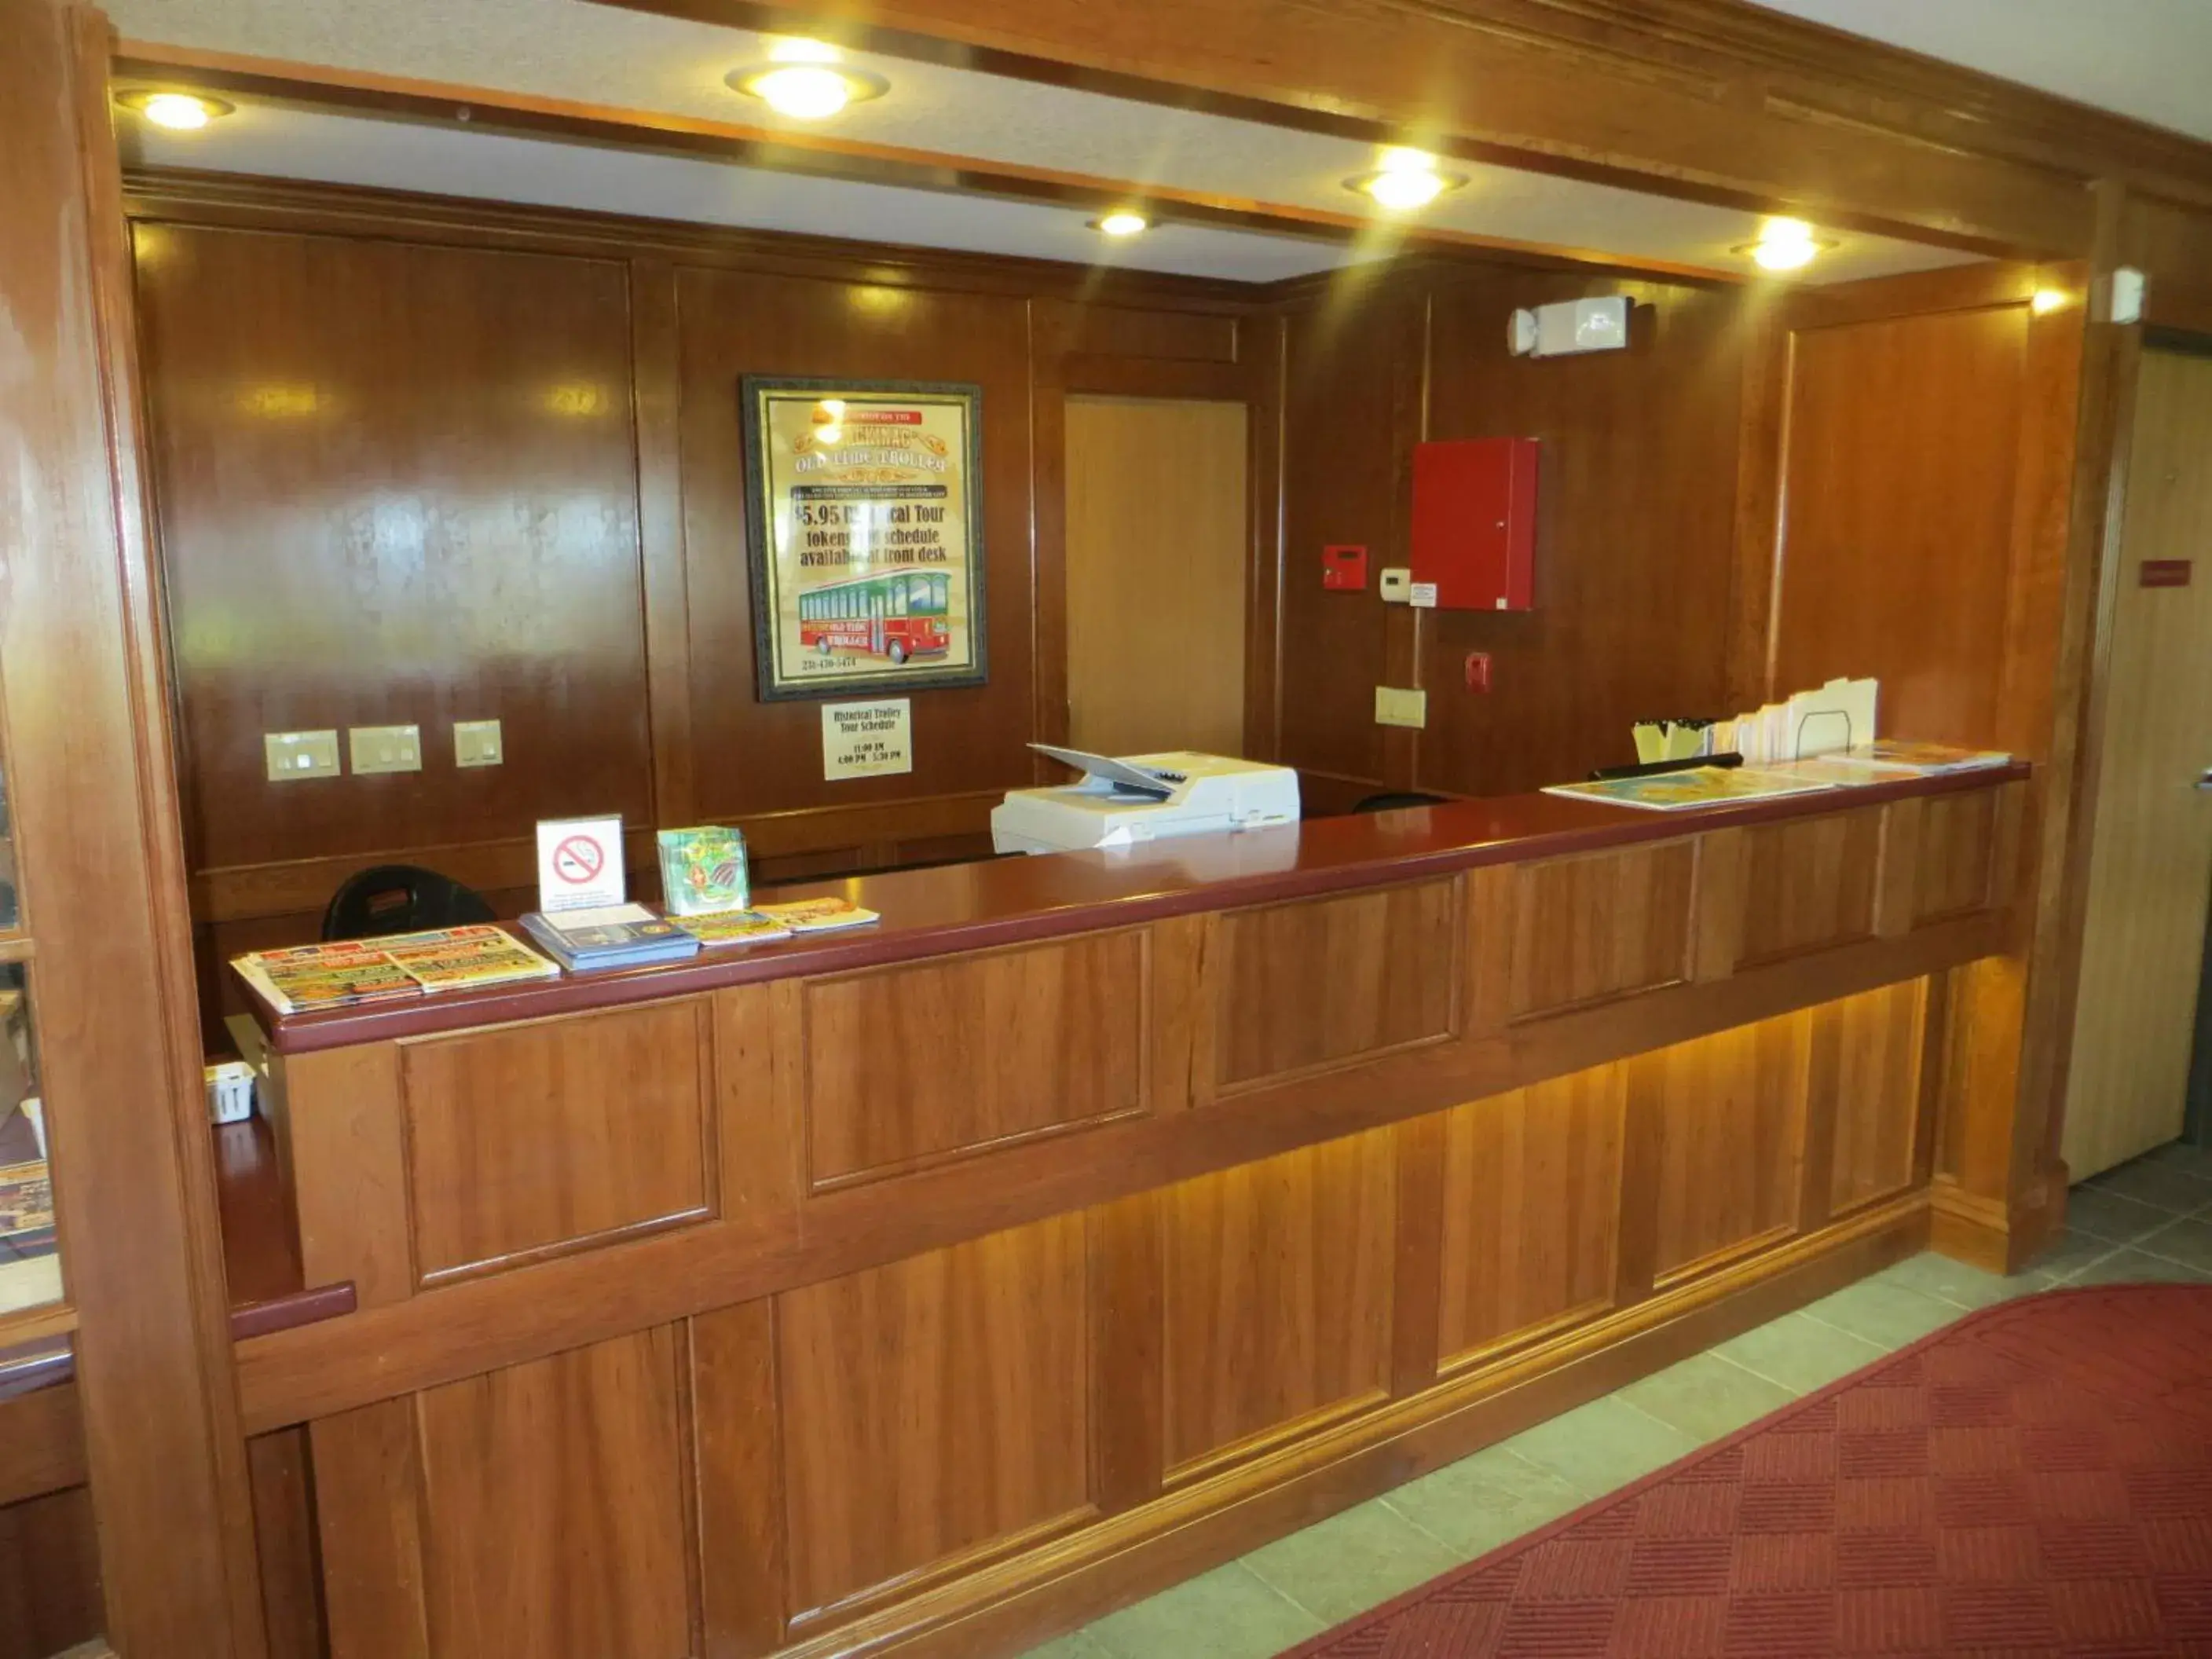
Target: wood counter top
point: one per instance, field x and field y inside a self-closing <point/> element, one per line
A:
<point x="966" y="907"/>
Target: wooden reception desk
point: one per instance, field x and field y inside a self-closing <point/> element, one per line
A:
<point x="1094" y="1218"/>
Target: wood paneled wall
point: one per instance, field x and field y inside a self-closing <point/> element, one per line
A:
<point x="1917" y="513"/>
<point x="413" y="469"/>
<point x="397" y="484"/>
<point x="1929" y="423"/>
<point x="1636" y="546"/>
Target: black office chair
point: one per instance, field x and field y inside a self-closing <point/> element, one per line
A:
<point x="400" y="898"/>
<point x="1391" y="800"/>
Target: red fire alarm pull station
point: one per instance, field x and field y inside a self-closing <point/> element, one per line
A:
<point x="1343" y="569"/>
<point x="1475" y="524"/>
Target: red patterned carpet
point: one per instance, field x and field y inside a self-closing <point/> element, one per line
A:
<point x="2034" y="1480"/>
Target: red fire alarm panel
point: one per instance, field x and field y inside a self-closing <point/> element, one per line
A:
<point x="1343" y="569"/>
<point x="1474" y="523"/>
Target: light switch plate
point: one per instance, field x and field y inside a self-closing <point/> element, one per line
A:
<point x="476" y="742"/>
<point x="1395" y="705"/>
<point x="385" y="749"/>
<point x="294" y="755"/>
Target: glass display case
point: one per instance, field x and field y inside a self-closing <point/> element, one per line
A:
<point x="30" y="1268"/>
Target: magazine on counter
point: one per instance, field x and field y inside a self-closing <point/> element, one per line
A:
<point x="26" y="1206"/>
<point x="355" y="973"/>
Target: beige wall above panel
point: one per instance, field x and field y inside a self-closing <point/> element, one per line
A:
<point x="1156" y="566"/>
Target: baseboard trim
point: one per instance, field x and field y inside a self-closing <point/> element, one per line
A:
<point x="1989" y="1233"/>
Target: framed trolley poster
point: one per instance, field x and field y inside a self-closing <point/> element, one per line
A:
<point x="865" y="512"/>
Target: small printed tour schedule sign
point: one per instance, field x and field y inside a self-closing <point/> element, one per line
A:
<point x="867" y="739"/>
<point x="579" y="864"/>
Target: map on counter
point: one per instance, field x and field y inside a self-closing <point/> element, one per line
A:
<point x="1703" y="786"/>
<point x="1904" y="754"/>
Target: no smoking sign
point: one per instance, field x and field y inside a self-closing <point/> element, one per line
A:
<point x="577" y="860"/>
<point x="579" y="864"/>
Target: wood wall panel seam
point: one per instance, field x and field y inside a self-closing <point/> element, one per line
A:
<point x="655" y="379"/>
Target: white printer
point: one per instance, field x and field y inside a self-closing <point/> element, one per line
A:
<point x="1143" y="798"/>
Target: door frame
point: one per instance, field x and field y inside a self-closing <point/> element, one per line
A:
<point x="2173" y="309"/>
<point x="1254" y="379"/>
<point x="93" y="794"/>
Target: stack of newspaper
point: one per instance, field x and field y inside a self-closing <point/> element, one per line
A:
<point x="351" y="973"/>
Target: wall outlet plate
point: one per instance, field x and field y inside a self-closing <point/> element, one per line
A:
<point x="1395" y="705"/>
<point x="477" y="742"/>
<point x="385" y="749"/>
<point x="291" y="757"/>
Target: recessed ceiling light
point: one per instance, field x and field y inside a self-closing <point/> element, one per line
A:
<point x="1122" y="221"/>
<point x="805" y="80"/>
<point x="1407" y="179"/>
<point x="179" y="112"/>
<point x="1785" y="245"/>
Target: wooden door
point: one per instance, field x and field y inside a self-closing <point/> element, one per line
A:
<point x="109" y="1255"/>
<point x="2151" y="868"/>
<point x="1157" y="559"/>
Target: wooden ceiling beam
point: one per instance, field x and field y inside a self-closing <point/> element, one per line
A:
<point x="820" y="156"/>
<point x="1697" y="98"/>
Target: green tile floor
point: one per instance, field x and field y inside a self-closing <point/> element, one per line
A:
<point x="2150" y="1220"/>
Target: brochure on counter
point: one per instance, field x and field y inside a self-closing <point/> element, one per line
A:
<point x="353" y="973"/>
<point x="631" y="936"/>
<point x="766" y="923"/>
<point x="609" y="936"/>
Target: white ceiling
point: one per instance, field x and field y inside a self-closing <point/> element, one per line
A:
<point x="575" y="51"/>
<point x="2148" y="58"/>
<point x="291" y="143"/>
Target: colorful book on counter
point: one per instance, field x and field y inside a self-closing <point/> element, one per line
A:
<point x="734" y="927"/>
<point x="774" y="921"/>
<point x="356" y="973"/>
<point x="819" y="916"/>
<point x="1680" y="792"/>
<point x="609" y="936"/>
